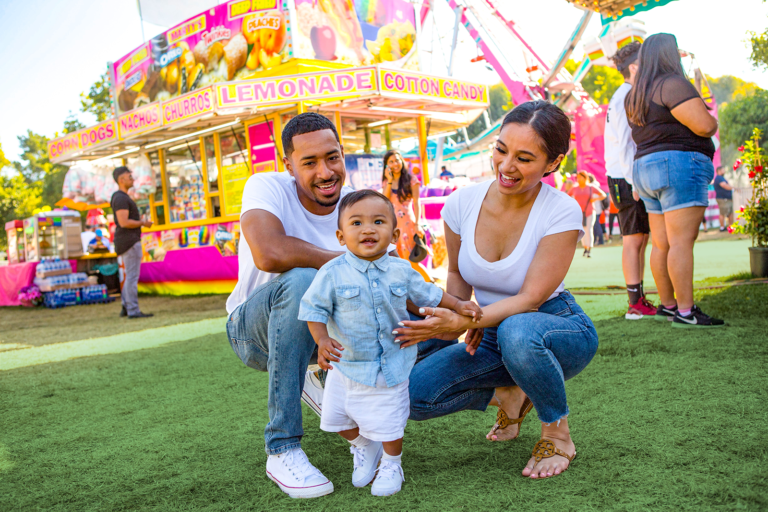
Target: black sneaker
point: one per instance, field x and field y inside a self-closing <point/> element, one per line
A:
<point x="123" y="312"/>
<point x="697" y="318"/>
<point x="665" y="314"/>
<point x="141" y="315"/>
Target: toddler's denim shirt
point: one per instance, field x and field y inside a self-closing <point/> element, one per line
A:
<point x="362" y="302"/>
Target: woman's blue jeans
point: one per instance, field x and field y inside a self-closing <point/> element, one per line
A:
<point x="536" y="351"/>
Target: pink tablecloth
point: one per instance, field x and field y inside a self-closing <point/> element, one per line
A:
<point x="15" y="277"/>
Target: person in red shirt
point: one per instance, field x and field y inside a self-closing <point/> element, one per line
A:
<point x="586" y="193"/>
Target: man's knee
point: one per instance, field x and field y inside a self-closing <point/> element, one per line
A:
<point x="298" y="277"/>
<point x="633" y="242"/>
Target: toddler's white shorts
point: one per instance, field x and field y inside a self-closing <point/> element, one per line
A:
<point x="381" y="412"/>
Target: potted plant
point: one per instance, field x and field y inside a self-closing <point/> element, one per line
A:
<point x="753" y="218"/>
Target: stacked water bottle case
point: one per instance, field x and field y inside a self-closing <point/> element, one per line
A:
<point x="61" y="287"/>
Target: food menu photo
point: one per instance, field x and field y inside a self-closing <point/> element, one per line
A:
<point x="357" y="33"/>
<point x="228" y="42"/>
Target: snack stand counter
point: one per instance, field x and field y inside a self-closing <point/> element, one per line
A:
<point x="42" y="238"/>
<point x="212" y="117"/>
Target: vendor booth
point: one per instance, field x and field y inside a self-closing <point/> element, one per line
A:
<point x="200" y="108"/>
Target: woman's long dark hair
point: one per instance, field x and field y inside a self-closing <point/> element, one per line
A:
<point x="659" y="56"/>
<point x="404" y="183"/>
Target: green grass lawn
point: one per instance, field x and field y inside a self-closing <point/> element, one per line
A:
<point x="663" y="419"/>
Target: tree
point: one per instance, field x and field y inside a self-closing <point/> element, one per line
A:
<point x="501" y="103"/>
<point x="4" y="162"/>
<point x="18" y="198"/>
<point x="72" y="123"/>
<point x="97" y="100"/>
<point x="759" y="56"/>
<point x="727" y="88"/>
<point x="38" y="170"/>
<point x="600" y="82"/>
<point x="740" y="117"/>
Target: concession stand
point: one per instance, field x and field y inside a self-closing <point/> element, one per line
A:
<point x="203" y="104"/>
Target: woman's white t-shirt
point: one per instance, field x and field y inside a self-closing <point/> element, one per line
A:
<point x="553" y="212"/>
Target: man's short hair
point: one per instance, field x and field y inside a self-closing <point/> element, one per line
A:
<point x="625" y="56"/>
<point x="357" y="196"/>
<point x="307" y="122"/>
<point x="119" y="171"/>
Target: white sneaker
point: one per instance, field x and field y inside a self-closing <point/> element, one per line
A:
<point x="312" y="394"/>
<point x="365" y="459"/>
<point x="389" y="480"/>
<point x="296" y="476"/>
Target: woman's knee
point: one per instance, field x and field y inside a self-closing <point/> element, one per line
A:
<point x="518" y="336"/>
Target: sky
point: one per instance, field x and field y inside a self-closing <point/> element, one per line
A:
<point x="55" y="50"/>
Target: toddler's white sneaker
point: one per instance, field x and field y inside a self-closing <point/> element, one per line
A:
<point x="389" y="480"/>
<point x="296" y="476"/>
<point x="366" y="459"/>
<point x="312" y="394"/>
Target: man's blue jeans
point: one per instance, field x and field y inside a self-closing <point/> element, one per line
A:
<point x="536" y="351"/>
<point x="265" y="333"/>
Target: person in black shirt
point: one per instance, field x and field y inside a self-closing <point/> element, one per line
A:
<point x="724" y="196"/>
<point x="672" y="129"/>
<point x="128" y="241"/>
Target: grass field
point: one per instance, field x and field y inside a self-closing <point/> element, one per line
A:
<point x="663" y="419"/>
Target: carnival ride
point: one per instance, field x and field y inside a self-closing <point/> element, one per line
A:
<point x="528" y="76"/>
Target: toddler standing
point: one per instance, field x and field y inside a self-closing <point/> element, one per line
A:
<point x="351" y="308"/>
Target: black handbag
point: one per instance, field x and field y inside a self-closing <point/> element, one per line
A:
<point x="419" y="251"/>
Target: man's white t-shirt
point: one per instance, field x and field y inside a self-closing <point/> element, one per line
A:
<point x="276" y="193"/>
<point x="553" y="212"/>
<point x="620" y="148"/>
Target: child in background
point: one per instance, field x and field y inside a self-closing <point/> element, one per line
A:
<point x="351" y="308"/>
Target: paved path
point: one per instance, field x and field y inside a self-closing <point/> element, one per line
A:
<point x="18" y="355"/>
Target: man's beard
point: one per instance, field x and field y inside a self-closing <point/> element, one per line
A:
<point x="324" y="201"/>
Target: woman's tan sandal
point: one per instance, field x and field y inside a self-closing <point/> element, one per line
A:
<point x="503" y="421"/>
<point x="545" y="449"/>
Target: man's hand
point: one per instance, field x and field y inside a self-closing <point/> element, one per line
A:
<point x="470" y="309"/>
<point x="328" y="350"/>
<point x="635" y="195"/>
<point x="147" y="223"/>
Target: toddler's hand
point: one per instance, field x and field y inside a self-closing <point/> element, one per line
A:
<point x="469" y="308"/>
<point x="328" y="349"/>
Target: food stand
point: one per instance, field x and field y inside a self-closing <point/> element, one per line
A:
<point x="205" y="102"/>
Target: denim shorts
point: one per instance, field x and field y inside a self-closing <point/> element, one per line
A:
<point x="671" y="180"/>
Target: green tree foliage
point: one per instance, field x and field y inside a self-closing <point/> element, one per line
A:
<point x="72" y="123"/>
<point x="759" y="56"/>
<point x="97" y="100"/>
<point x="741" y="116"/>
<point x="601" y="82"/>
<point x="18" y="197"/>
<point x="4" y="162"/>
<point x="727" y="88"/>
<point x="37" y="169"/>
<point x="501" y="103"/>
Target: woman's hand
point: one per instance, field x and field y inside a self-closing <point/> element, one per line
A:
<point x="419" y="230"/>
<point x="389" y="175"/>
<point x="438" y="322"/>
